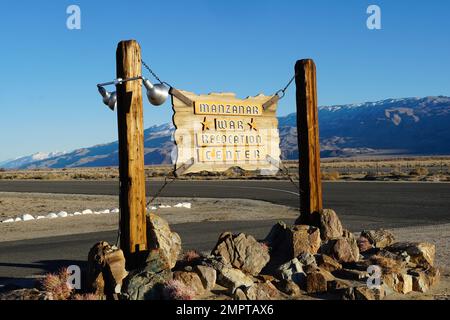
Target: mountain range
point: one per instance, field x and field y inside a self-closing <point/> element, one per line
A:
<point x="409" y="126"/>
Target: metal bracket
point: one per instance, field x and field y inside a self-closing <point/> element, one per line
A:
<point x="271" y="101"/>
<point x="184" y="167"/>
<point x="176" y="93"/>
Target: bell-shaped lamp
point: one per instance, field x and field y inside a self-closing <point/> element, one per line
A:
<point x="109" y="98"/>
<point x="157" y="94"/>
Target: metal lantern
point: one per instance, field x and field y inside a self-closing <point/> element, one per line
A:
<point x="109" y="98"/>
<point x="157" y="94"/>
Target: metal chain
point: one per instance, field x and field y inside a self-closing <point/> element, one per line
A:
<point x="166" y="183"/>
<point x="283" y="91"/>
<point x="285" y="171"/>
<point x="151" y="71"/>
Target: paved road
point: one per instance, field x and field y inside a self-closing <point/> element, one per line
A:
<point x="360" y="205"/>
<point x="375" y="204"/>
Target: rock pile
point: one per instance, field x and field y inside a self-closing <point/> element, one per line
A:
<point x="292" y="262"/>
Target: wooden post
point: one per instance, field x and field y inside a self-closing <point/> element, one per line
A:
<point x="308" y="141"/>
<point x="133" y="238"/>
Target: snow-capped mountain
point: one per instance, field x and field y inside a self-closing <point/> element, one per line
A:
<point x="27" y="160"/>
<point x="410" y="126"/>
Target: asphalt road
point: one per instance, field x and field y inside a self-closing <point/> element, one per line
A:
<point x="359" y="205"/>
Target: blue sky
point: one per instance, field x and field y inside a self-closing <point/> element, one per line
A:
<point x="48" y="97"/>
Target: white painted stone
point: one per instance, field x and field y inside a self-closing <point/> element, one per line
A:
<point x="87" y="211"/>
<point x="62" y="214"/>
<point x="51" y="216"/>
<point x="77" y="213"/>
<point x="8" y="220"/>
<point x="115" y="210"/>
<point x="27" y="217"/>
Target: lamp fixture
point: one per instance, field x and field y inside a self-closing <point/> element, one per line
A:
<point x="157" y="94"/>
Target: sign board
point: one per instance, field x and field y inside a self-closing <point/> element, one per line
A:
<point x="219" y="131"/>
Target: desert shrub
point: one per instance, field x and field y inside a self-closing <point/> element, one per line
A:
<point x="86" y="297"/>
<point x="56" y="285"/>
<point x="190" y="256"/>
<point x="177" y="290"/>
<point x="334" y="175"/>
<point x="420" y="171"/>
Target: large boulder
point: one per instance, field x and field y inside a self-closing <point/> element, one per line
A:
<point x="287" y="243"/>
<point x="292" y="270"/>
<point x="191" y="280"/>
<point x="327" y="263"/>
<point x="232" y="279"/>
<point x="242" y="252"/>
<point x="424" y="279"/>
<point x="288" y="287"/>
<point x="317" y="281"/>
<point x="398" y="282"/>
<point x="330" y="225"/>
<point x="262" y="291"/>
<point x="344" y="250"/>
<point x="106" y="270"/>
<point x="145" y="285"/>
<point x="207" y="275"/>
<point x="305" y="239"/>
<point x="162" y="239"/>
<point x="378" y="238"/>
<point x="420" y="253"/>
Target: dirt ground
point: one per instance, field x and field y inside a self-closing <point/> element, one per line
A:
<point x="16" y="204"/>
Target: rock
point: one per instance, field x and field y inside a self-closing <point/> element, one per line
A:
<point x="344" y="250"/>
<point x="106" y="269"/>
<point x="379" y="238"/>
<point x="288" y="287"/>
<point x="215" y="262"/>
<point x="398" y="282"/>
<point x="419" y="282"/>
<point x="337" y="284"/>
<point x="305" y="239"/>
<point x="292" y="270"/>
<point x="364" y="293"/>
<point x="145" y="285"/>
<point x="232" y="279"/>
<point x="191" y="280"/>
<point x="327" y="263"/>
<point x="239" y="294"/>
<point x="363" y="244"/>
<point x="330" y="225"/>
<point x="423" y="280"/>
<point x="387" y="264"/>
<point x="265" y="277"/>
<point x="25" y="294"/>
<point x="242" y="252"/>
<point x="207" y="275"/>
<point x="306" y="259"/>
<point x="288" y="243"/>
<point x="350" y="274"/>
<point x="161" y="238"/>
<point x="27" y="217"/>
<point x="261" y="291"/>
<point x="421" y="253"/>
<point x="317" y="282"/>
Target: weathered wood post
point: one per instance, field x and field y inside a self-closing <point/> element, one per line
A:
<point x="308" y="141"/>
<point x="133" y="238"/>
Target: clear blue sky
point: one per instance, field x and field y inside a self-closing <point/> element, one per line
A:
<point x="48" y="97"/>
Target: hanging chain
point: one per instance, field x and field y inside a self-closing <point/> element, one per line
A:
<point x="283" y="91"/>
<point x="151" y="71"/>
<point x="166" y="183"/>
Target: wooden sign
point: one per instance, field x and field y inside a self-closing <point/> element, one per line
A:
<point x="217" y="131"/>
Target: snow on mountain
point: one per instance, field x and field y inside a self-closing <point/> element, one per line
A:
<point x="410" y="126"/>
